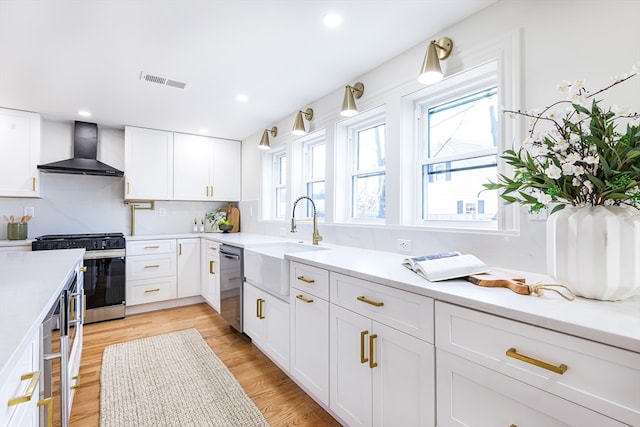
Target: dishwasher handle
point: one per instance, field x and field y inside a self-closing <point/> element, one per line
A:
<point x="231" y="256"/>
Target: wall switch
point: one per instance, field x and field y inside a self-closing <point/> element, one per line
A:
<point x="162" y="212"/>
<point x="404" y="246"/>
<point x="29" y="211"/>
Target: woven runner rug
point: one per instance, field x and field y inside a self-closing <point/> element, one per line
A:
<point x="171" y="380"/>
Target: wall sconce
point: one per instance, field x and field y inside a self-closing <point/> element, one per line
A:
<point x="298" y="125"/>
<point x="264" y="141"/>
<point x="351" y="93"/>
<point x="437" y="50"/>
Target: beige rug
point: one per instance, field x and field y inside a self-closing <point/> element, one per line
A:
<point x="171" y="380"/>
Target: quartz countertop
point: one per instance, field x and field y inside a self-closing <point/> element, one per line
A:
<point x="237" y="239"/>
<point x="30" y="282"/>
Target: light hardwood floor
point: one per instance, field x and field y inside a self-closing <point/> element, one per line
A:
<point x="281" y="401"/>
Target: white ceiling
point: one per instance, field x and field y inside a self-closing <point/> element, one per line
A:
<point x="60" y="56"/>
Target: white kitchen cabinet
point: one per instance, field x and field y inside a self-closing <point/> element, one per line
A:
<point x="309" y="305"/>
<point x="19" y="153"/>
<point x="380" y="375"/>
<point x="151" y="271"/>
<point x="19" y="408"/>
<point x="188" y="267"/>
<point x="148" y="164"/>
<point x="206" y="168"/>
<point x="266" y="321"/>
<point x="210" y="273"/>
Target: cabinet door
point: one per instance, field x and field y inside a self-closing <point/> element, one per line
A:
<point x="148" y="164"/>
<point x="19" y="153"/>
<point x="192" y="156"/>
<point x="276" y="332"/>
<point x="210" y="274"/>
<point x="350" y="373"/>
<point x="226" y="170"/>
<point x="188" y="267"/>
<point x="310" y="343"/>
<point x="403" y="380"/>
<point x="253" y="302"/>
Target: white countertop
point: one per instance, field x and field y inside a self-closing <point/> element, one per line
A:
<point x="29" y="285"/>
<point x="237" y="239"/>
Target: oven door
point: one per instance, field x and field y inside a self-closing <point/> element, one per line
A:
<point x="104" y="285"/>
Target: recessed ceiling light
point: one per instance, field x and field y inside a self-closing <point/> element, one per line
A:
<point x="84" y="113"/>
<point x="332" y="20"/>
<point x="241" y="97"/>
<point x="204" y="131"/>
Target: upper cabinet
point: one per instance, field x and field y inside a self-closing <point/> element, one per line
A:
<point x="148" y="164"/>
<point x="19" y="153"/>
<point x="199" y="168"/>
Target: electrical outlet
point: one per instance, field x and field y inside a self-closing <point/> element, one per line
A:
<point x="29" y="211"/>
<point x="162" y="212"/>
<point x="404" y="246"/>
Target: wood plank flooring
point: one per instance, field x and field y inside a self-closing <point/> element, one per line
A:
<point x="281" y="401"/>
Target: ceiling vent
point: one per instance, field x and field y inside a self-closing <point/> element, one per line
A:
<point x="161" y="80"/>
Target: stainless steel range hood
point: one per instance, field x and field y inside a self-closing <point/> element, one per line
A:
<point x="85" y="153"/>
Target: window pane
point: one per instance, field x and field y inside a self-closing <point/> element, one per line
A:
<point x="370" y="150"/>
<point x="281" y="202"/>
<point x="465" y="125"/>
<point x="317" y="161"/>
<point x="315" y="190"/>
<point x="369" y="196"/>
<point x="282" y="170"/>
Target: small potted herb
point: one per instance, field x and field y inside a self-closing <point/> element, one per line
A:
<point x="225" y="226"/>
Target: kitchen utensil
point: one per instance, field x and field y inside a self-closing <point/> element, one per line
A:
<point x="11" y="218"/>
<point x="498" y="278"/>
<point x="6" y="218"/>
<point x="233" y="216"/>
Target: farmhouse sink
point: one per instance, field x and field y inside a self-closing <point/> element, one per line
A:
<point x="266" y="267"/>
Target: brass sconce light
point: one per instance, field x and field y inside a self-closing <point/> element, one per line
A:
<point x="351" y="93"/>
<point x="264" y="141"/>
<point x="437" y="50"/>
<point x="298" y="125"/>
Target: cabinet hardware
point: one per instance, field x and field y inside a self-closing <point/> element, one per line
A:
<point x="77" y="380"/>
<point x="128" y="188"/>
<point x="303" y="299"/>
<point x="362" y="358"/>
<point x="179" y="248"/>
<point x="212" y="191"/>
<point x="305" y="280"/>
<point x="211" y="267"/>
<point x="213" y="248"/>
<point x="561" y="369"/>
<point x="148" y="291"/>
<point x="372" y="364"/>
<point x="152" y="266"/>
<point x="34" y="378"/>
<point x="207" y="191"/>
<point x="48" y="402"/>
<point x="83" y="269"/>
<point x="259" y="313"/>
<point x="72" y="306"/>
<point x="261" y="308"/>
<point x="513" y="425"/>
<point x="152" y="247"/>
<point x="33" y="184"/>
<point x="368" y="301"/>
<point x="84" y="307"/>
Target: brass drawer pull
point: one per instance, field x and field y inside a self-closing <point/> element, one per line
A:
<point x="362" y="358"/>
<point x="152" y="247"/>
<point x="34" y="378"/>
<point x="368" y="301"/>
<point x="303" y="299"/>
<point x="512" y="352"/>
<point x="83" y="269"/>
<point x="211" y="267"/>
<point x="48" y="402"/>
<point x="77" y="384"/>
<point x="33" y="184"/>
<point x="128" y="187"/>
<point x="148" y="291"/>
<point x="305" y="280"/>
<point x="179" y="248"/>
<point x="152" y="266"/>
<point x="259" y="313"/>
<point x="372" y="364"/>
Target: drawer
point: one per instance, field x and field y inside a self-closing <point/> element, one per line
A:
<point x="150" y="266"/>
<point x="310" y="279"/>
<point x="472" y="395"/>
<point x="146" y="247"/>
<point x="408" y="312"/>
<point x="212" y="248"/>
<point x="600" y="377"/>
<point x="151" y="290"/>
<point x="13" y="386"/>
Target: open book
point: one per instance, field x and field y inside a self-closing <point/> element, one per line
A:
<point x="446" y="265"/>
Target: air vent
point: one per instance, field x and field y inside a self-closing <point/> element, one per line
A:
<point x="161" y="80"/>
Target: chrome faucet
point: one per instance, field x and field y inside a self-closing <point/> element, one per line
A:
<point x="316" y="236"/>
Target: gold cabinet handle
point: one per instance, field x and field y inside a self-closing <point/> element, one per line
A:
<point x="152" y="266"/>
<point x="372" y="364"/>
<point x="84" y="307"/>
<point x="212" y="191"/>
<point x="362" y="358"/>
<point x="152" y="247"/>
<point x="211" y="267"/>
<point x="83" y="269"/>
<point x="207" y="191"/>
<point x="179" y="248"/>
<point x="261" y="308"/>
<point x="305" y="280"/>
<point x="148" y="291"/>
<point x="368" y="301"/>
<point x="77" y="380"/>
<point x="34" y="378"/>
<point x="48" y="402"/>
<point x="33" y="184"/>
<point x="259" y="313"/>
<point x="561" y="369"/>
<point x="213" y="248"/>
<point x="303" y="299"/>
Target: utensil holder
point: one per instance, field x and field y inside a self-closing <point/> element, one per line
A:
<point x="17" y="231"/>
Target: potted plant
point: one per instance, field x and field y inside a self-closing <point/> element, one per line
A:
<point x="225" y="226"/>
<point x="575" y="159"/>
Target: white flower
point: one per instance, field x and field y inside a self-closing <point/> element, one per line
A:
<point x="553" y="171"/>
<point x="543" y="198"/>
<point x="580" y="83"/>
<point x="592" y="160"/>
<point x="572" y="158"/>
<point x="635" y="68"/>
<point x="561" y="145"/>
<point x="578" y="170"/>
<point x="567" y="169"/>
<point x="576" y="182"/>
<point x="588" y="185"/>
<point x="620" y="111"/>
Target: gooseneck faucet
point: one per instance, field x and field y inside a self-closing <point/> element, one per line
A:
<point x="316" y="236"/>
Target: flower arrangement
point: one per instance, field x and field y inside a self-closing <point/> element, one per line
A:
<point x="581" y="159"/>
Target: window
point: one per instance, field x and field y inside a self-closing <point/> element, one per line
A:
<point x="280" y="183"/>
<point x="458" y="151"/>
<point x="314" y="173"/>
<point x="367" y="166"/>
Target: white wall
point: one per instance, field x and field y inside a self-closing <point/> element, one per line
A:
<point x="560" y="40"/>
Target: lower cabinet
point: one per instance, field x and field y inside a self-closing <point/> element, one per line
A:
<point x="188" y="267"/>
<point x="151" y="271"/>
<point x="266" y="321"/>
<point x="210" y="273"/>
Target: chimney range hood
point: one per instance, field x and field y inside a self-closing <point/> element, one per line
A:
<point x="85" y="153"/>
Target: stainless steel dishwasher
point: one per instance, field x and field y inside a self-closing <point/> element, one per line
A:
<point x="231" y="278"/>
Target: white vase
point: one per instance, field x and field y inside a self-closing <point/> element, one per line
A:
<point x="595" y="251"/>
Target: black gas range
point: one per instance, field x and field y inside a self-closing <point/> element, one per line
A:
<point x="104" y="276"/>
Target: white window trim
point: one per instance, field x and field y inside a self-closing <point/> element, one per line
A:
<point x="269" y="183"/>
